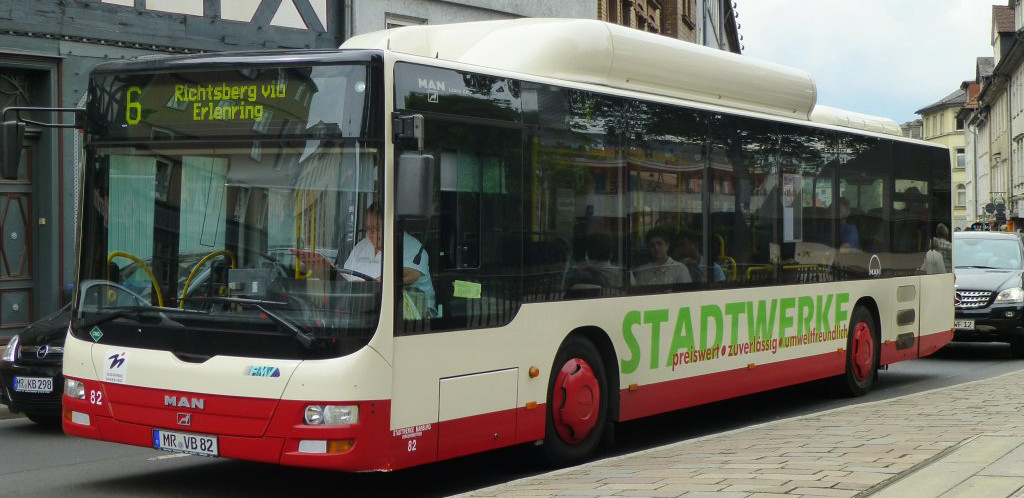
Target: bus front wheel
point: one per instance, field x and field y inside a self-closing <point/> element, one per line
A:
<point x="577" y="403"/>
<point x="861" y="354"/>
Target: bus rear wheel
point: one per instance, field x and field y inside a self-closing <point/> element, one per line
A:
<point x="577" y="403"/>
<point x="861" y="355"/>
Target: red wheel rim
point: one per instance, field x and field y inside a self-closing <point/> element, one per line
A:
<point x="576" y="401"/>
<point x="863" y="352"/>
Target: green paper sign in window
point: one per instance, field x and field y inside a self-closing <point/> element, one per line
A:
<point x="467" y="290"/>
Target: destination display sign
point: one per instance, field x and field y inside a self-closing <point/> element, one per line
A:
<point x="242" y="102"/>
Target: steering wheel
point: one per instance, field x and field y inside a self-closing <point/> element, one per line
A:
<point x="145" y="268"/>
<point x="354" y="273"/>
<point x="222" y="252"/>
<point x="279" y="268"/>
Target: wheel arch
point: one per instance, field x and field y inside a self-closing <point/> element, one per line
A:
<point x="869" y="303"/>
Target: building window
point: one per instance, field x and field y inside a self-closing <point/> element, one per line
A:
<point x="961" y="196"/>
<point x="397" y="21"/>
<point x="960" y="124"/>
<point x="648" y="16"/>
<point x="687" y="14"/>
<point x="961" y="158"/>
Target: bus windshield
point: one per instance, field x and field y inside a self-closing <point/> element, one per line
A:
<point x="219" y="208"/>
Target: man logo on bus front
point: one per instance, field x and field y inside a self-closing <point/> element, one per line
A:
<point x="184" y="402"/>
<point x="875" y="266"/>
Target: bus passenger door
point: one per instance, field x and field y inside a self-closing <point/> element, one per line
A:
<point x="455" y="363"/>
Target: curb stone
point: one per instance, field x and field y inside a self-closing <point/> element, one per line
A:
<point x="907" y="473"/>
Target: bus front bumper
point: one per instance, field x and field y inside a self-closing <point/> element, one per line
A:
<point x="365" y="446"/>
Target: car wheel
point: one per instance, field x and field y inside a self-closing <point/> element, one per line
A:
<point x="48" y="421"/>
<point x="1017" y="348"/>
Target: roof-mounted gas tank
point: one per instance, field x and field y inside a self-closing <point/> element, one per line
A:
<point x="600" y="53"/>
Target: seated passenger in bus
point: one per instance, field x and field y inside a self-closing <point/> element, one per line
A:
<point x="366" y="258"/>
<point x="939" y="258"/>
<point x="685" y="250"/>
<point x="662" y="269"/>
<point x="596" y="272"/>
<point x="849" y="237"/>
<point x="942" y="243"/>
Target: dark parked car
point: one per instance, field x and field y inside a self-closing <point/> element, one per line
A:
<point x="31" y="381"/>
<point x="989" y="298"/>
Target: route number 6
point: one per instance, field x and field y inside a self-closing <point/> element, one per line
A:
<point x="132" y="107"/>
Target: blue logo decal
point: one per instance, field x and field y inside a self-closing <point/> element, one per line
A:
<point x="259" y="371"/>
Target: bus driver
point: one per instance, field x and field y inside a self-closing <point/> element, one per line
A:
<point x="366" y="258"/>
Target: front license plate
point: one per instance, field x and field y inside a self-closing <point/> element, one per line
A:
<point x="184" y="442"/>
<point x="33" y="384"/>
<point x="963" y="324"/>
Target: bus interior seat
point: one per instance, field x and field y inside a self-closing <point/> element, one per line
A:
<point x="586" y="283"/>
<point x="547" y="261"/>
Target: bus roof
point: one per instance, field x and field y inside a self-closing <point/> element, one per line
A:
<point x="848" y="119"/>
<point x="595" y="52"/>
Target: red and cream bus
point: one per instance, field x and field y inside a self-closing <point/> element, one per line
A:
<point x="570" y="224"/>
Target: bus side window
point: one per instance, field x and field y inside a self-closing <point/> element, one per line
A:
<point x="745" y="200"/>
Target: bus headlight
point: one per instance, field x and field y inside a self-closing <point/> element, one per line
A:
<point x="74" y="389"/>
<point x="331" y="415"/>
<point x="11" y="351"/>
<point x="1011" y="295"/>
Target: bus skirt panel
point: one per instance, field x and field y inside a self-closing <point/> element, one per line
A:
<point x="652" y="399"/>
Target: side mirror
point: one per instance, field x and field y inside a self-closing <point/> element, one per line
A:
<point x="415" y="182"/>
<point x="12" y="135"/>
<point x="409" y="128"/>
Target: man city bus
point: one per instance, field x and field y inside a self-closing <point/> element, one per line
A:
<point x="428" y="244"/>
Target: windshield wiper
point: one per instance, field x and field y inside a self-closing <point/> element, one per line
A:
<point x="137" y="314"/>
<point x="306" y="339"/>
<point x="980" y="267"/>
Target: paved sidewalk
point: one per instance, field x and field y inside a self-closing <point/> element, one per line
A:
<point x="965" y="440"/>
